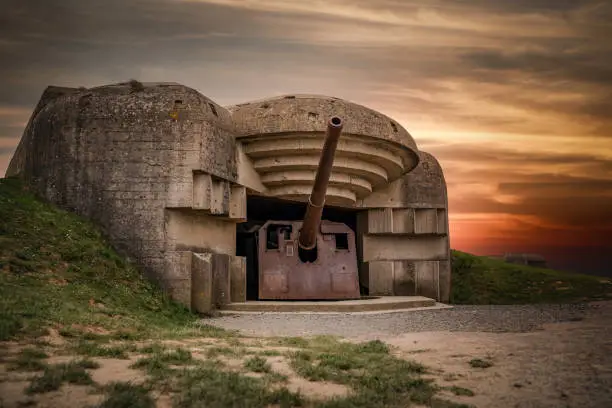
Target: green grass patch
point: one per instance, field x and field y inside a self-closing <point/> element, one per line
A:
<point x="461" y="391"/>
<point x="480" y="280"/>
<point x="269" y="353"/>
<point x="127" y="395"/>
<point x="209" y="386"/>
<point x="55" y="375"/>
<point x="257" y="365"/>
<point x="56" y="269"/>
<point x="480" y="363"/>
<point x="94" y="349"/>
<point x="377" y="378"/>
<point x="215" y="351"/>
<point x="274" y="377"/>
<point x="152" y="348"/>
<point x="29" y="359"/>
<point x="442" y="403"/>
<point x="208" y="383"/>
<point x="298" y="342"/>
<point x="158" y="364"/>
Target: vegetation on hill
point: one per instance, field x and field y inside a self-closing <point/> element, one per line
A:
<point x="56" y="269"/>
<point x="481" y="281"/>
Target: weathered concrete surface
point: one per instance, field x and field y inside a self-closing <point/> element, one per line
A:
<point x="166" y="172"/>
<point x="283" y="137"/>
<point x="403" y="237"/>
<point x="347" y="306"/>
<point x="122" y="156"/>
<point x="308" y="113"/>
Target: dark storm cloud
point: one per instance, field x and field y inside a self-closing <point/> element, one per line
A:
<point x="562" y="189"/>
<point x="10" y="132"/>
<point x="529" y="6"/>
<point x="490" y="154"/>
<point x="578" y="207"/>
<point x="111" y="39"/>
<point x="573" y="66"/>
<point x="557" y="184"/>
<point x="496" y="68"/>
<point x="211" y="47"/>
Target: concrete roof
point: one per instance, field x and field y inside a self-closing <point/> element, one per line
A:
<point x="308" y="113"/>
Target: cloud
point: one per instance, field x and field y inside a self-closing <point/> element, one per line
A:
<point x="549" y="196"/>
<point x="6" y="150"/>
<point x="512" y="97"/>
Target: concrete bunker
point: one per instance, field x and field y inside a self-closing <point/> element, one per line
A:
<point x="178" y="182"/>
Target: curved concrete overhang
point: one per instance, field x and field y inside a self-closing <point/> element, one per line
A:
<point x="283" y="137"/>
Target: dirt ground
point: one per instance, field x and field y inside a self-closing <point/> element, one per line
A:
<point x="560" y="365"/>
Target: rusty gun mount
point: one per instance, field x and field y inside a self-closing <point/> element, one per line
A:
<point x="312" y="259"/>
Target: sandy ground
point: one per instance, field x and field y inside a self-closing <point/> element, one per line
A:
<point x="13" y="384"/>
<point x="563" y="364"/>
<point x="542" y="356"/>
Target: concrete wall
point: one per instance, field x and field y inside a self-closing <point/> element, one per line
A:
<point x="165" y="172"/>
<point x="144" y="164"/>
<point x="282" y="139"/>
<point x="403" y="236"/>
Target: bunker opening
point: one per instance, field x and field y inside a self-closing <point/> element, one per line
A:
<point x="301" y="251"/>
<point x="282" y="236"/>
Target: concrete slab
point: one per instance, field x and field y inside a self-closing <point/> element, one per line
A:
<point x="376" y="305"/>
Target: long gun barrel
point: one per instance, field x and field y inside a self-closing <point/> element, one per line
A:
<point x="314" y="211"/>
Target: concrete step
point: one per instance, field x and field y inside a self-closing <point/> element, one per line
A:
<point x="367" y="304"/>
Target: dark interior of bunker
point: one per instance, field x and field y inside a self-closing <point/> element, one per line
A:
<point x="263" y="209"/>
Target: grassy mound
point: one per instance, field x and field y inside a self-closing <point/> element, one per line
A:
<point x="480" y="280"/>
<point x="57" y="270"/>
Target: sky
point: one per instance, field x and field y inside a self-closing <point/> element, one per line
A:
<point x="514" y="98"/>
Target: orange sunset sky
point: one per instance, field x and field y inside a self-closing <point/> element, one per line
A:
<point x="513" y="97"/>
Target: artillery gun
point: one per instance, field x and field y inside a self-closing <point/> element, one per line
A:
<point x="313" y="259"/>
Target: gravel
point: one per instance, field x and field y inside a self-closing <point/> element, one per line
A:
<point x="506" y="318"/>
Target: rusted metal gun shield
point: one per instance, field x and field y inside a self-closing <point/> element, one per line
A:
<point x="333" y="276"/>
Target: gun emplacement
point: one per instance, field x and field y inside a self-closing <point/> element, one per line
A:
<point x="316" y="201"/>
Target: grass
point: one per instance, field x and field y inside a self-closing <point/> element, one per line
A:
<point x="269" y="353"/>
<point x="160" y="361"/>
<point x="257" y="365"/>
<point x="377" y="378"/>
<point x="29" y="359"/>
<point x="94" y="349"/>
<point x="127" y="395"/>
<point x="57" y="270"/>
<point x="196" y="383"/>
<point x="208" y="386"/>
<point x="460" y="391"/>
<point x="213" y="352"/>
<point x="480" y="363"/>
<point x="55" y="375"/>
<point x="480" y="280"/>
